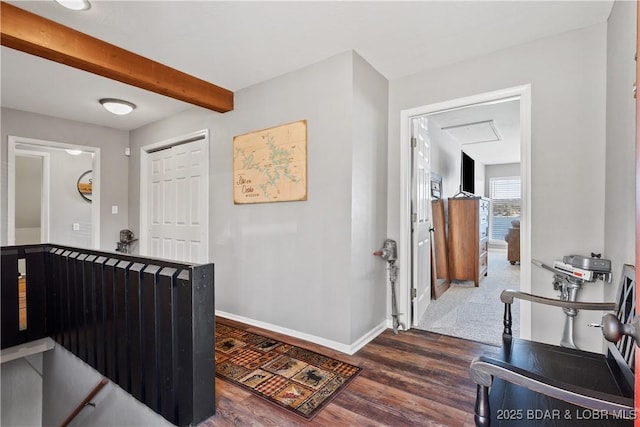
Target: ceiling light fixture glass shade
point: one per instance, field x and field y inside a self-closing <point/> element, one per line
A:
<point x="75" y="4"/>
<point x="117" y="106"/>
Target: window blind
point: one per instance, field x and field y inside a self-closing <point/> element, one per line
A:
<point x="505" y="188"/>
<point x="505" y="206"/>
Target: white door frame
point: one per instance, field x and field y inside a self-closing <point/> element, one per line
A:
<point x="14" y="150"/>
<point x="404" y="243"/>
<point x="145" y="250"/>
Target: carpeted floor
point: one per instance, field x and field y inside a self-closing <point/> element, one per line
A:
<point x="465" y="311"/>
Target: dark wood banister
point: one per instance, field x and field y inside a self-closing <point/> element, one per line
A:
<point x="86" y="401"/>
<point x="508" y="295"/>
<point x="145" y="324"/>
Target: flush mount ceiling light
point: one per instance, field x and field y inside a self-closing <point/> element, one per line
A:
<point x="117" y="106"/>
<point x="75" y="4"/>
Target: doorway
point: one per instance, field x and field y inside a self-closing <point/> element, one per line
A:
<point x="31" y="225"/>
<point x="174" y="201"/>
<point x="68" y="218"/>
<point x="406" y="256"/>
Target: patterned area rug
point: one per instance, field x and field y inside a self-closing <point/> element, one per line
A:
<point x="291" y="377"/>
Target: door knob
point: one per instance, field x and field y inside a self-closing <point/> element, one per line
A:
<point x="613" y="329"/>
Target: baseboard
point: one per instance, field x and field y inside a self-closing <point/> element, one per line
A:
<point x="368" y="337"/>
<point x="389" y="324"/>
<point x="343" y="348"/>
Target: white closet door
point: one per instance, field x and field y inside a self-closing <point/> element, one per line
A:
<point x="178" y="202"/>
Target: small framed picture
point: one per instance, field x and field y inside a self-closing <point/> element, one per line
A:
<point x="436" y="186"/>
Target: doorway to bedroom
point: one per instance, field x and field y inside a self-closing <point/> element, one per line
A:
<point x="490" y="133"/>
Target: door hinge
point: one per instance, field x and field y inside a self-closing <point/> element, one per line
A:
<point x="414" y="142"/>
<point x="414" y="292"/>
<point x="414" y="217"/>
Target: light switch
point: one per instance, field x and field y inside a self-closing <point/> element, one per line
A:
<point x="114" y="209"/>
<point x="76" y="226"/>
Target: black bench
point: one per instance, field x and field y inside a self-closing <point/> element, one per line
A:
<point x="531" y="383"/>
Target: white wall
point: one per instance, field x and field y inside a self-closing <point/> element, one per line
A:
<point x="298" y="266"/>
<point x="567" y="74"/>
<point x="368" y="197"/>
<point x="620" y="203"/>
<point x="500" y="171"/>
<point x="28" y="235"/>
<point x="21" y="392"/>
<point x="66" y="380"/>
<point x="114" y="164"/>
<point x="445" y="159"/>
<point x="28" y="191"/>
<point x="480" y="178"/>
<point x="66" y="205"/>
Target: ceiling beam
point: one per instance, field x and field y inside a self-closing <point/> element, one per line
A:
<point x="35" y="35"/>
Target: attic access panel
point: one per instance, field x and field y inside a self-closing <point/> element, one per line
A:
<point x="474" y="133"/>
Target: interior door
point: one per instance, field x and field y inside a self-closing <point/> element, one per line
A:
<point x="421" y="218"/>
<point x="178" y="202"/>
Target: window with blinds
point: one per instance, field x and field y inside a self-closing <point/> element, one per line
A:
<point x="505" y="206"/>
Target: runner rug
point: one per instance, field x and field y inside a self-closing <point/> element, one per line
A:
<point x="291" y="377"/>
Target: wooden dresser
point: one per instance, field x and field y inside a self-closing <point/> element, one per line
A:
<point x="468" y="238"/>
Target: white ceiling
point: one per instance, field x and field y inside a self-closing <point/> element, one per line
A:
<point x="236" y="44"/>
<point x="505" y="118"/>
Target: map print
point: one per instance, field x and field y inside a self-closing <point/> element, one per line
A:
<point x="271" y="165"/>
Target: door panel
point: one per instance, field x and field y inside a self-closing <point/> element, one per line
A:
<point x="179" y="202"/>
<point x="421" y="244"/>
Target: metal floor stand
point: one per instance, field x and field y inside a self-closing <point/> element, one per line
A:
<point x="393" y="275"/>
<point x="568" y="287"/>
<point x="389" y="253"/>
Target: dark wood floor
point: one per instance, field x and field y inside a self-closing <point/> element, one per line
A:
<point x="415" y="378"/>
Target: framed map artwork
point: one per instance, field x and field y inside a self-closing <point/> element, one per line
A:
<point x="270" y="165"/>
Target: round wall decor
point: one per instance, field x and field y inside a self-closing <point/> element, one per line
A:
<point x="85" y="185"/>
